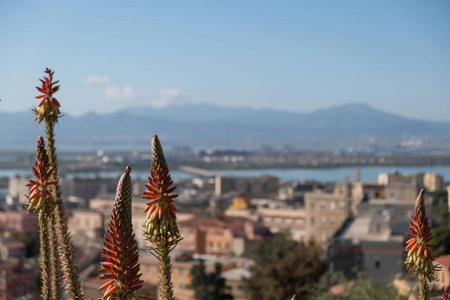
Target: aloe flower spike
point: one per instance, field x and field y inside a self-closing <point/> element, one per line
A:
<point x="40" y="198"/>
<point x="120" y="254"/>
<point x="419" y="255"/>
<point x="161" y="222"/>
<point x="48" y="107"/>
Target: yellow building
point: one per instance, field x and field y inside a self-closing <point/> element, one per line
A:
<point x="241" y="203"/>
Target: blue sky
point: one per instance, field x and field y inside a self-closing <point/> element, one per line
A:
<point x="288" y="55"/>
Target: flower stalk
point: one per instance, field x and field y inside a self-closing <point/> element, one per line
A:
<point x="120" y="255"/>
<point x="419" y="255"/>
<point x="161" y="222"/>
<point x="41" y="202"/>
<point x="60" y="242"/>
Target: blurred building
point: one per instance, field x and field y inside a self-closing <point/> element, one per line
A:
<point x="16" y="280"/>
<point x="275" y="216"/>
<point x="288" y="220"/>
<point x="88" y="188"/>
<point x="11" y="249"/>
<point x="443" y="275"/>
<point x="448" y="197"/>
<point x="87" y="222"/>
<point x="378" y="235"/>
<point x="327" y="212"/>
<point x="18" y="221"/>
<point x="433" y="182"/>
<point x="398" y="186"/>
<point x="210" y="236"/>
<point x="18" y="191"/>
<point x="234" y="270"/>
<point x="258" y="187"/>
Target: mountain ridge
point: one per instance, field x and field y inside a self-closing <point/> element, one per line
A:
<point x="193" y="124"/>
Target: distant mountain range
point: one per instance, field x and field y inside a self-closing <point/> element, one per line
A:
<point x="202" y="124"/>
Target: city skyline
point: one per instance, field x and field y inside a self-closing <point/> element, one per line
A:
<point x="296" y="56"/>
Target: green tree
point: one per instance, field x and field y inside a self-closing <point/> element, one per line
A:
<point x="30" y="239"/>
<point x="362" y="287"/>
<point x="441" y="228"/>
<point x="283" y="268"/>
<point x="209" y="286"/>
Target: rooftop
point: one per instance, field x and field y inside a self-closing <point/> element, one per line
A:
<point x="444" y="261"/>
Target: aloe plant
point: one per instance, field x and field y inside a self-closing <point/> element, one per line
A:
<point x="420" y="258"/>
<point x="53" y="223"/>
<point x="41" y="202"/>
<point x="161" y="222"/>
<point x="120" y="252"/>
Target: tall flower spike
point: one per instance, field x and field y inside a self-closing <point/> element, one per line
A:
<point x="120" y="254"/>
<point x="57" y="231"/>
<point x="420" y="257"/>
<point x="161" y="221"/>
<point x="40" y="197"/>
<point x="48" y="107"/>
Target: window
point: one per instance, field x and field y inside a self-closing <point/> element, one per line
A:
<point x="323" y="220"/>
<point x="332" y="205"/>
<point x="377" y="262"/>
<point x="322" y="205"/>
<point x="378" y="228"/>
<point x="342" y="205"/>
<point x="312" y="205"/>
<point x="323" y="236"/>
<point x="332" y="220"/>
<point x="312" y="220"/>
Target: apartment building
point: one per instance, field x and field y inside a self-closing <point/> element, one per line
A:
<point x="18" y="191"/>
<point x="285" y="220"/>
<point x="325" y="214"/>
<point x="89" y="223"/>
<point x="377" y="233"/>
<point x="433" y="182"/>
<point x="209" y="236"/>
<point x="16" y="280"/>
<point x="258" y="187"/>
<point x="18" y="221"/>
<point x="400" y="186"/>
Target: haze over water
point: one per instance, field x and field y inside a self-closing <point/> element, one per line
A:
<point x="322" y="174"/>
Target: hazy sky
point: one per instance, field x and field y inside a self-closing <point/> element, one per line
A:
<point x="289" y="55"/>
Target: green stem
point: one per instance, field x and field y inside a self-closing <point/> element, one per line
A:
<point x="166" y="286"/>
<point x="70" y="270"/>
<point x="55" y="279"/>
<point x="45" y="257"/>
<point x="423" y="288"/>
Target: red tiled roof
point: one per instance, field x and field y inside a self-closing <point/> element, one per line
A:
<point x="203" y="222"/>
<point x="234" y="225"/>
<point x="443" y="260"/>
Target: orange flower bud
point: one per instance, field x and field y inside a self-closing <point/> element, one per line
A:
<point x="48" y="108"/>
<point x="161" y="217"/>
